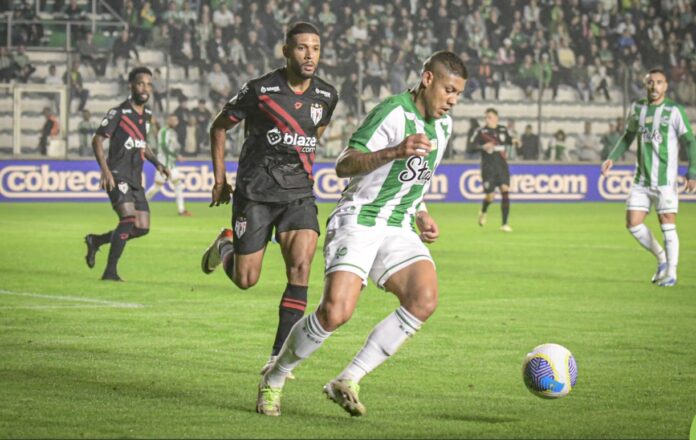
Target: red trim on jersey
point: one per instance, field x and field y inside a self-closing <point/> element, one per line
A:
<point x="283" y="127"/>
<point x="135" y="127"/>
<point x="292" y="306"/>
<point x="285" y="115"/>
<point x="127" y="129"/>
<point x="233" y="119"/>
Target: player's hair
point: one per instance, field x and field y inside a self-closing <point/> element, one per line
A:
<point x="300" y="27"/>
<point x="657" y="70"/>
<point x="491" y="110"/>
<point x="449" y="60"/>
<point x="137" y="71"/>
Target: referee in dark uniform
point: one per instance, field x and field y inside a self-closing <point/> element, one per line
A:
<point x="285" y="113"/>
<point x="126" y="127"/>
<point x="493" y="141"/>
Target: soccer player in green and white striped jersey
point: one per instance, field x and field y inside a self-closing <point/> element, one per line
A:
<point x="660" y="125"/>
<point x="167" y="152"/>
<point x="372" y="233"/>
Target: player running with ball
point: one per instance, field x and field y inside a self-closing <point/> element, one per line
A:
<point x="659" y="124"/>
<point x="372" y="232"/>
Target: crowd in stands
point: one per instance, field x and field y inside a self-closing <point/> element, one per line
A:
<point x="587" y="45"/>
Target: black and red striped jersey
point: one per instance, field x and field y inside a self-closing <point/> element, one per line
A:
<point x="126" y="130"/>
<point x="275" y="164"/>
<point x="500" y="137"/>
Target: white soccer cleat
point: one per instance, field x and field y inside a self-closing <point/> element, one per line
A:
<point x="271" y="361"/>
<point x="483" y="218"/>
<point x="667" y="282"/>
<point x="506" y="228"/>
<point x="345" y="393"/>
<point x="211" y="256"/>
<point x="660" y="273"/>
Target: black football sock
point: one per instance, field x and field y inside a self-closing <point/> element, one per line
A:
<point x="137" y="232"/>
<point x="101" y="239"/>
<point x="118" y="242"/>
<point x="505" y="205"/>
<point x="292" y="307"/>
<point x="226" y="250"/>
<point x="485" y="205"/>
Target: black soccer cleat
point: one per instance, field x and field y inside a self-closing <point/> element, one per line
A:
<point x="92" y="250"/>
<point x="111" y="276"/>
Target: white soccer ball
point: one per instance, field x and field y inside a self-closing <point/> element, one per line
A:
<point x="550" y="371"/>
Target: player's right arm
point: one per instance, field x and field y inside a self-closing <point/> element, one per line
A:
<point x="352" y="162"/>
<point x="231" y="114"/>
<point x="623" y="143"/>
<point x="106" y="130"/>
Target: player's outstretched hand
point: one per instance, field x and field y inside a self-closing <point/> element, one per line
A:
<point x="414" y="145"/>
<point x="164" y="171"/>
<point x="222" y="193"/>
<point x="690" y="185"/>
<point x="107" y="181"/>
<point x="606" y="166"/>
<point x="429" y="231"/>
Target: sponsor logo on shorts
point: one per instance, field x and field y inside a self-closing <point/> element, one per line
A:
<point x="240" y="226"/>
<point x="341" y="252"/>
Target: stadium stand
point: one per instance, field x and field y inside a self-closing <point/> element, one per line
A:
<point x="588" y="55"/>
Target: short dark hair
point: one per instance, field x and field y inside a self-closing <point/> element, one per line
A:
<point x="492" y="110"/>
<point x="657" y="70"/>
<point x="300" y="27"/>
<point x="448" y="60"/>
<point x="137" y="71"/>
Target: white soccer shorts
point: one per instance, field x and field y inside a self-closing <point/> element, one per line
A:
<point x="642" y="198"/>
<point x="176" y="176"/>
<point x="376" y="252"/>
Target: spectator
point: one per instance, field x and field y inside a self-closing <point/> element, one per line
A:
<point x="8" y="68"/>
<point x="204" y="32"/>
<point x="185" y="54"/>
<point x="587" y="145"/>
<point x="161" y="38"/>
<point x="123" y="48"/>
<point x="326" y="17"/>
<point x="223" y="18"/>
<point x="192" y="137"/>
<point x="216" y="49"/>
<point x="529" y="144"/>
<point x="202" y="116"/>
<point x="488" y="78"/>
<point x="526" y="77"/>
<point x="147" y="23"/>
<point x="90" y="53"/>
<point x="375" y="74"/>
<point x="558" y="148"/>
<point x="580" y="79"/>
<point x="86" y="129"/>
<point x="237" y="57"/>
<point x="686" y="90"/>
<point x="347" y="129"/>
<point x="600" y="81"/>
<point x="609" y="140"/>
<point x="73" y="79"/>
<point x="23" y="68"/>
<point x="349" y="94"/>
<point x="472" y="151"/>
<point x="50" y="130"/>
<point x="219" y="85"/>
<point x="53" y="79"/>
<point x="506" y="59"/>
<point x="184" y="114"/>
<point x="157" y="89"/>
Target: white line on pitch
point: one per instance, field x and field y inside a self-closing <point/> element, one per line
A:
<point x="73" y="299"/>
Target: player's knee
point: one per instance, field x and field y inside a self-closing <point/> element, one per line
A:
<point x="424" y="304"/>
<point x="298" y="272"/>
<point x="245" y="280"/>
<point x="332" y="315"/>
<point x="139" y="232"/>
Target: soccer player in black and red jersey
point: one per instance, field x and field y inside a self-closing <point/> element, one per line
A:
<point x="285" y="112"/>
<point x="493" y="141"/>
<point x="126" y="127"/>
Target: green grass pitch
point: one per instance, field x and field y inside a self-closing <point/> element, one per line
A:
<point x="77" y="362"/>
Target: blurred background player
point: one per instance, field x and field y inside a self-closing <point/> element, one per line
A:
<point x="168" y="150"/>
<point x="659" y="124"/>
<point x="371" y="233"/>
<point x="285" y="112"/>
<point x="126" y="127"/>
<point x="493" y="141"/>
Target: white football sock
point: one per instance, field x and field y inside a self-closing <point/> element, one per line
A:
<point x="179" y="192"/>
<point x="306" y="336"/>
<point x="647" y="240"/>
<point x="384" y="341"/>
<point x="672" y="247"/>
<point x="151" y="191"/>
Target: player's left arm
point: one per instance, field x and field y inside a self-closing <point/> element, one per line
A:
<point x="686" y="138"/>
<point x="429" y="230"/>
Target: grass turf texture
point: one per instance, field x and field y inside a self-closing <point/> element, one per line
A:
<point x="186" y="363"/>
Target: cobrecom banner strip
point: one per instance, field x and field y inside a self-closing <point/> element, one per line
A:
<point x="27" y="181"/>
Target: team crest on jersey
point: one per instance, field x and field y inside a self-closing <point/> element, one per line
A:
<point x="123" y="187"/>
<point x="240" y="226"/>
<point x="315" y="112"/>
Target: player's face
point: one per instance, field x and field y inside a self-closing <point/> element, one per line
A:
<point x="442" y="91"/>
<point x="303" y="54"/>
<point x="656" y="86"/>
<point x="141" y="88"/>
<point x="491" y="119"/>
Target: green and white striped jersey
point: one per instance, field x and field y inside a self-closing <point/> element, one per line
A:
<point x="658" y="129"/>
<point x="167" y="147"/>
<point x="390" y="194"/>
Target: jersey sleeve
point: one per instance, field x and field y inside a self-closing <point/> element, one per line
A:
<point x="632" y="119"/>
<point x="382" y="128"/>
<point x="681" y="123"/>
<point x="475" y="139"/>
<point x="241" y="104"/>
<point x="109" y="123"/>
<point x="332" y="106"/>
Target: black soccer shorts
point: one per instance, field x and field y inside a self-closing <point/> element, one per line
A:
<point x="124" y="192"/>
<point x="253" y="222"/>
<point x="493" y="177"/>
